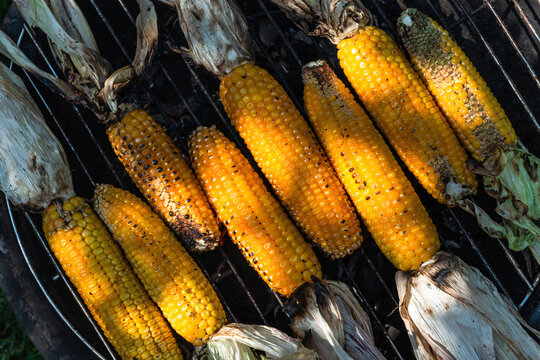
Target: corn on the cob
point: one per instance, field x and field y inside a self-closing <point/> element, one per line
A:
<point x="169" y="274"/>
<point x="273" y="129"/>
<point x="394" y="95"/>
<point x="106" y="283"/>
<point x="160" y="172"/>
<point x="376" y="184"/>
<point x="406" y="113"/>
<point x="289" y="155"/>
<point x="460" y="91"/>
<point x="255" y="220"/>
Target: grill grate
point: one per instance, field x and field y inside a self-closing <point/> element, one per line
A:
<point x="244" y="296"/>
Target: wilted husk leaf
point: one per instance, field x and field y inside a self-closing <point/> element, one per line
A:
<point x="452" y="311"/>
<point x="512" y="177"/>
<point x="76" y="51"/>
<point x="242" y="342"/>
<point x="33" y="165"/>
<point x="333" y="19"/>
<point x="332" y="322"/>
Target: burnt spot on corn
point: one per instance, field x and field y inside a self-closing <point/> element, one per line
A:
<point x="154" y="167"/>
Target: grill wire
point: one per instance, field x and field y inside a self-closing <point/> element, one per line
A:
<point x="244" y="296"/>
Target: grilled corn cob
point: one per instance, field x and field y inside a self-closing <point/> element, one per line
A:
<point x="509" y="172"/>
<point x="380" y="191"/>
<point x="394" y="95"/>
<point x="460" y="91"/>
<point x="255" y="220"/>
<point x="273" y="129"/>
<point x="106" y="283"/>
<point x="169" y="274"/>
<point x="164" y="177"/>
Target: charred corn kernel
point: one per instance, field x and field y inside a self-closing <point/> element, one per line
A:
<point x="290" y="157"/>
<point x="406" y="113"/>
<point x="376" y="184"/>
<point x="462" y="94"/>
<point x="109" y="288"/>
<point x="169" y="274"/>
<point x="256" y="222"/>
<point x="160" y="172"/>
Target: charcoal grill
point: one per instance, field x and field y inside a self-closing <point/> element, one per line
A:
<point x="501" y="37"/>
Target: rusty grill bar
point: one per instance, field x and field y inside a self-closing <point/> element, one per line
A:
<point x="393" y="347"/>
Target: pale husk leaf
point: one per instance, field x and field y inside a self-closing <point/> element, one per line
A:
<point x="333" y="19"/>
<point x="217" y="34"/>
<point x="76" y="51"/>
<point x="72" y="20"/>
<point x="9" y="49"/>
<point x="452" y="311"/>
<point x="237" y="341"/>
<point x="38" y="14"/>
<point x="332" y="322"/>
<point x="33" y="165"/>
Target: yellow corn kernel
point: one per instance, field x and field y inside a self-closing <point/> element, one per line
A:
<point x="403" y="109"/>
<point x="290" y="157"/>
<point x="256" y="222"/>
<point x="391" y="210"/>
<point x="169" y="274"/>
<point x="163" y="176"/>
<point x="107" y="284"/>
<point x="479" y="121"/>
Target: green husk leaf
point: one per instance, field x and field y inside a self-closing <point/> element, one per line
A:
<point x="512" y="177"/>
<point x="332" y="322"/>
<point x="33" y="165"/>
<point x="239" y="341"/>
<point x="333" y="19"/>
<point x="452" y="311"/>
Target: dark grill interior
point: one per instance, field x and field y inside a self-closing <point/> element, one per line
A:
<point x="501" y="38"/>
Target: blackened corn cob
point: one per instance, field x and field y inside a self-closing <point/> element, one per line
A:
<point x="460" y="91"/>
<point x="160" y="172"/>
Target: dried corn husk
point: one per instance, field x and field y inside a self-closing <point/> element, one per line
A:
<point x="452" y="311"/>
<point x="331" y="321"/>
<point x="90" y="78"/>
<point x="33" y="165"/>
<point x="244" y="342"/>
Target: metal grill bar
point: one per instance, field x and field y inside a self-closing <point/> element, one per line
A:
<point x="513" y="42"/>
<point x="526" y="20"/>
<point x="510" y="82"/>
